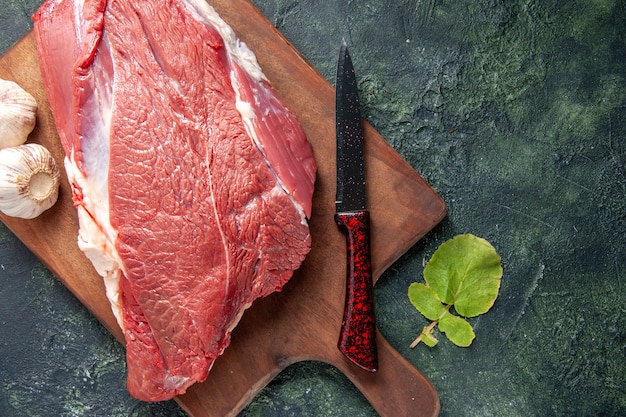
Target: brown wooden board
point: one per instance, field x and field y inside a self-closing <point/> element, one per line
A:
<point x="301" y="322"/>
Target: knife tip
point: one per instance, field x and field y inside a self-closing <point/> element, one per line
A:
<point x="344" y="45"/>
<point x="343" y="50"/>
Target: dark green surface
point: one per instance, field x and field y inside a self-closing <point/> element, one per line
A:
<point x="515" y="112"/>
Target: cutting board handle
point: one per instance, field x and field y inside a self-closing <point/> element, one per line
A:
<point x="397" y="389"/>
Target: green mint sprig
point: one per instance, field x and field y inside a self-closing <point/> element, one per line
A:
<point x="464" y="272"/>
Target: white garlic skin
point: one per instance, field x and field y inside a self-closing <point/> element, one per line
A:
<point x="18" y="110"/>
<point x="29" y="180"/>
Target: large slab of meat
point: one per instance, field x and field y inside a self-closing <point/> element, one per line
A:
<point x="192" y="181"/>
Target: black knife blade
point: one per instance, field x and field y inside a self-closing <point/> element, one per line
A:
<point x="350" y="194"/>
<point x="357" y="339"/>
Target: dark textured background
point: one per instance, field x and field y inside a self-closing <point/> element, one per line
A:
<point x="515" y="112"/>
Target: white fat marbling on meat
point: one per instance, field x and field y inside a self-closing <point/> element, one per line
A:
<point x="96" y="237"/>
<point x="237" y="50"/>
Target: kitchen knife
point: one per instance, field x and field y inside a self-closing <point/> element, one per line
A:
<point x="357" y="339"/>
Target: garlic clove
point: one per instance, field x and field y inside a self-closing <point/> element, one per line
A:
<point x="18" y="111"/>
<point x="29" y="180"/>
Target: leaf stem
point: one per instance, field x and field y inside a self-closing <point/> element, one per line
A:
<point x="430" y="327"/>
<point x="426" y="330"/>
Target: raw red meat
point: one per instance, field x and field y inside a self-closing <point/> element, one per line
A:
<point x="192" y="180"/>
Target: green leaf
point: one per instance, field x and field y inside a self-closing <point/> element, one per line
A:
<point x="425" y="300"/>
<point x="465" y="271"/>
<point x="457" y="329"/>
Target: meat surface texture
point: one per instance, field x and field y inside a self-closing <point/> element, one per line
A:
<point x="192" y="181"/>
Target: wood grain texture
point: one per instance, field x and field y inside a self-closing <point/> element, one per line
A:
<point x="302" y="322"/>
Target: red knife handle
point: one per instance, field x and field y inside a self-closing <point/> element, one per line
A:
<point x="357" y="340"/>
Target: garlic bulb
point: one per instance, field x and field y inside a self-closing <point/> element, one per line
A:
<point x="17" y="114"/>
<point x="29" y="180"/>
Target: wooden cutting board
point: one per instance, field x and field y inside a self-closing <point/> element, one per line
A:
<point x="302" y="322"/>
